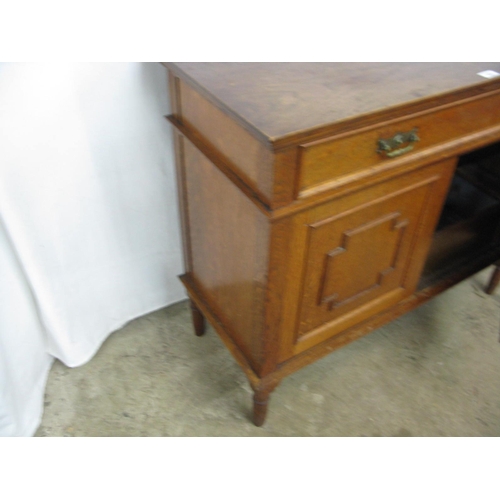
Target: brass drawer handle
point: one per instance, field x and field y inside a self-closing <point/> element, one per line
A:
<point x="391" y="147"/>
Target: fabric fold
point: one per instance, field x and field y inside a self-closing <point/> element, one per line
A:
<point x="90" y="236"/>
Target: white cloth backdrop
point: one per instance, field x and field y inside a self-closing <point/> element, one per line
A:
<point x="89" y="235"/>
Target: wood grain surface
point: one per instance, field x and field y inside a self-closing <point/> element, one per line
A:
<point x="276" y="100"/>
<point x="299" y="235"/>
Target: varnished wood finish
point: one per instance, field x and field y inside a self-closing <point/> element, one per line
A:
<point x="221" y="163"/>
<point x="494" y="280"/>
<point x="285" y="103"/>
<point x="260" y="403"/>
<point x="229" y="240"/>
<point x="199" y="298"/>
<point x="198" y="320"/>
<point x="228" y="138"/>
<point x="329" y="159"/>
<point x="359" y="254"/>
<point x="474" y="264"/>
<point x="299" y="237"/>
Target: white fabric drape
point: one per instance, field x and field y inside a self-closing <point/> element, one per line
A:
<point x="89" y="235"/>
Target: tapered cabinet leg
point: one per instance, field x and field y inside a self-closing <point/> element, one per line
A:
<point x="261" y="400"/>
<point x="260" y="403"/>
<point x="495" y="279"/>
<point x="198" y="320"/>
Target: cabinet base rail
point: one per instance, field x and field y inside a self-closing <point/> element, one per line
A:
<point x="263" y="386"/>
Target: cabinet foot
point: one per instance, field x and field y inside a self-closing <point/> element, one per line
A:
<point x="261" y="391"/>
<point x="494" y="280"/>
<point x="198" y="320"/>
<point x="259" y="409"/>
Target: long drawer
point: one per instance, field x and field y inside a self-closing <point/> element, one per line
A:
<point x="333" y="158"/>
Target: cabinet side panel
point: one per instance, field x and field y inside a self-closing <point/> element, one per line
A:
<point x="250" y="159"/>
<point x="229" y="242"/>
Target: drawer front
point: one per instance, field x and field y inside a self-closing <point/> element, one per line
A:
<point x="330" y="159"/>
<point x="363" y="253"/>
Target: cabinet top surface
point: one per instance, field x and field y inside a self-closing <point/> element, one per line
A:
<point x="275" y="100"/>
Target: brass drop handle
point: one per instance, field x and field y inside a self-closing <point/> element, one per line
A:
<point x="391" y="147"/>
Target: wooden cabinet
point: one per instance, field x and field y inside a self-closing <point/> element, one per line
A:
<point x="316" y="199"/>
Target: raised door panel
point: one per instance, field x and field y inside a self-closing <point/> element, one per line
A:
<point x="362" y="253"/>
<point x="359" y="256"/>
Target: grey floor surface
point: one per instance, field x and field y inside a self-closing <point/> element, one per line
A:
<point x="432" y="372"/>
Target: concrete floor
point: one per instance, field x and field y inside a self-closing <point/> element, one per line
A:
<point x="433" y="372"/>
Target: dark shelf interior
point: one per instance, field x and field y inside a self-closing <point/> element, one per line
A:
<point x="468" y="228"/>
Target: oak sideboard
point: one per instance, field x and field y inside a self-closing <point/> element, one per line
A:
<point x="320" y="201"/>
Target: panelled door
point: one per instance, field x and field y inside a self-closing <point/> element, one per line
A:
<point x="361" y="253"/>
